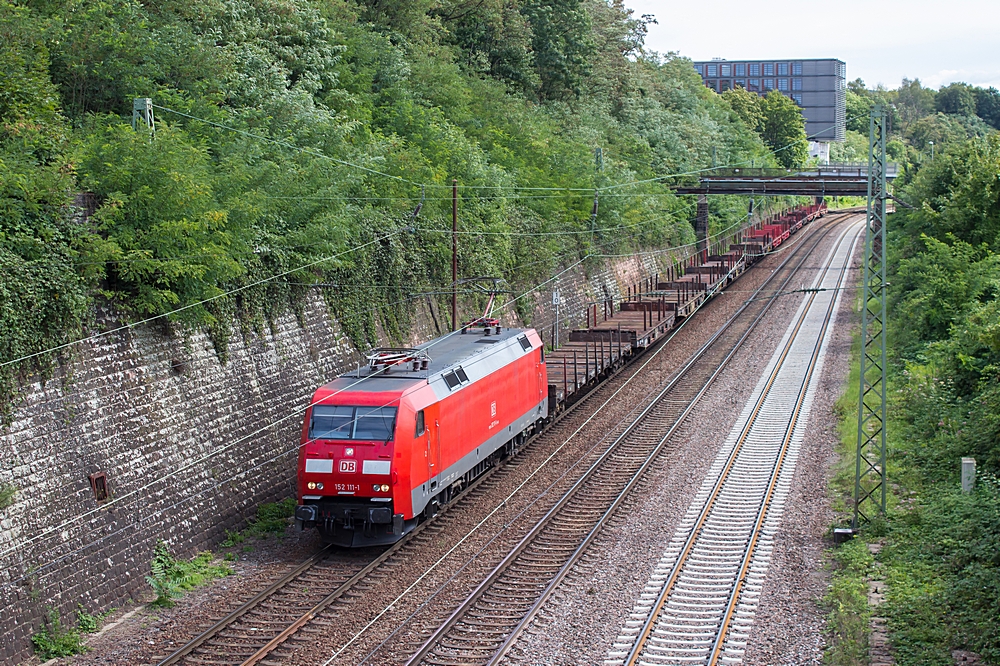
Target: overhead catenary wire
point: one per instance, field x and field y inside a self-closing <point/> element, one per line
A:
<point x="191" y="464"/>
<point x="604" y="255"/>
<point x="515" y="269"/>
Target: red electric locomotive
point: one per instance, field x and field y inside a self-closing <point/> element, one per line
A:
<point x="390" y="442"/>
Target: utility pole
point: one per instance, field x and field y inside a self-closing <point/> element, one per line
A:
<point x="555" y="333"/>
<point x="869" y="475"/>
<point x="142" y="111"/>
<point x="454" y="254"/>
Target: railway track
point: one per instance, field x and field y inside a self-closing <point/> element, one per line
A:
<point x="321" y="588"/>
<point x="699" y="604"/>
<point x="238" y="636"/>
<point x="321" y="585"/>
<point x="487" y="623"/>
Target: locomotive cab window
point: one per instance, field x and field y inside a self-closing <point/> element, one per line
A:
<point x="375" y="423"/>
<point x="420" y="424"/>
<point x="525" y="342"/>
<point x="344" y="422"/>
<point x="331" y="422"/>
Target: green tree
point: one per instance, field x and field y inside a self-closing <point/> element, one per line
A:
<point x="939" y="128"/>
<point x="495" y="39"/>
<point x="957" y="99"/>
<point x="748" y="106"/>
<point x="562" y="43"/>
<point x="784" y="129"/>
<point x="859" y="108"/>
<point x="988" y="106"/>
<point x="171" y="243"/>
<point x="913" y="102"/>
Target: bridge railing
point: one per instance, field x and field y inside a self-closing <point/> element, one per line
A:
<point x="833" y="170"/>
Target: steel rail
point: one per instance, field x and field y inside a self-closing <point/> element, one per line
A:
<point x="498" y="571"/>
<point x="313" y="612"/>
<point x="214" y="630"/>
<point x="567" y="567"/>
<point x="256" y="600"/>
<point x="724" y="476"/>
<point x="775" y="474"/>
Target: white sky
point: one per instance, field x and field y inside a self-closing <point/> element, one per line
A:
<point x="880" y="40"/>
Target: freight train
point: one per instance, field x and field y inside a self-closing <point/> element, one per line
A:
<point x="389" y="443"/>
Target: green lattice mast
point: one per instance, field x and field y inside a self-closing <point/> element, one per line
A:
<point x="869" y="478"/>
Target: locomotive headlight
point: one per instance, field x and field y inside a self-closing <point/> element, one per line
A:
<point x="319" y="486"/>
<point x="311" y="486"/>
<point x="376" y="487"/>
<point x="385" y="487"/>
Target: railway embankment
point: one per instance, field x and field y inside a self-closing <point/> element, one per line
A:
<point x="940" y="538"/>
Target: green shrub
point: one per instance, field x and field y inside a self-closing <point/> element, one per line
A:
<point x="7" y="493"/>
<point x="55" y="640"/>
<point x="272" y="518"/>
<point x="170" y="577"/>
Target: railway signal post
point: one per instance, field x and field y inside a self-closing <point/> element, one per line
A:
<point x="869" y="476"/>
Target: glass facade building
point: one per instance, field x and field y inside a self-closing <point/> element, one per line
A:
<point x="819" y="86"/>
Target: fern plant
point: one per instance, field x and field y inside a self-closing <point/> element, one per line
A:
<point x="162" y="577"/>
<point x="170" y="577"/>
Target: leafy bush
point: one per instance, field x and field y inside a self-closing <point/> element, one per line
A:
<point x="501" y="96"/>
<point x="271" y="518"/>
<point x="54" y="640"/>
<point x="170" y="577"/>
<point x="7" y="493"/>
<point x="942" y="547"/>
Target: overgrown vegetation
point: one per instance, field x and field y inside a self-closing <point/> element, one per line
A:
<point x="846" y="602"/>
<point x="7" y="494"/>
<point x="776" y="119"/>
<point x="271" y="520"/>
<point x="295" y="138"/>
<point x="170" y="577"/>
<point x="942" y="552"/>
<point x="55" y="640"/>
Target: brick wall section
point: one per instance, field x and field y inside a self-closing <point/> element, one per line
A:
<point x="142" y="404"/>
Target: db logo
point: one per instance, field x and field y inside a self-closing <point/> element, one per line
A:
<point x="493" y="408"/>
<point x="348" y="466"/>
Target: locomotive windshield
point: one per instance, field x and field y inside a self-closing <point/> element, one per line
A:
<point x="344" y="422"/>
